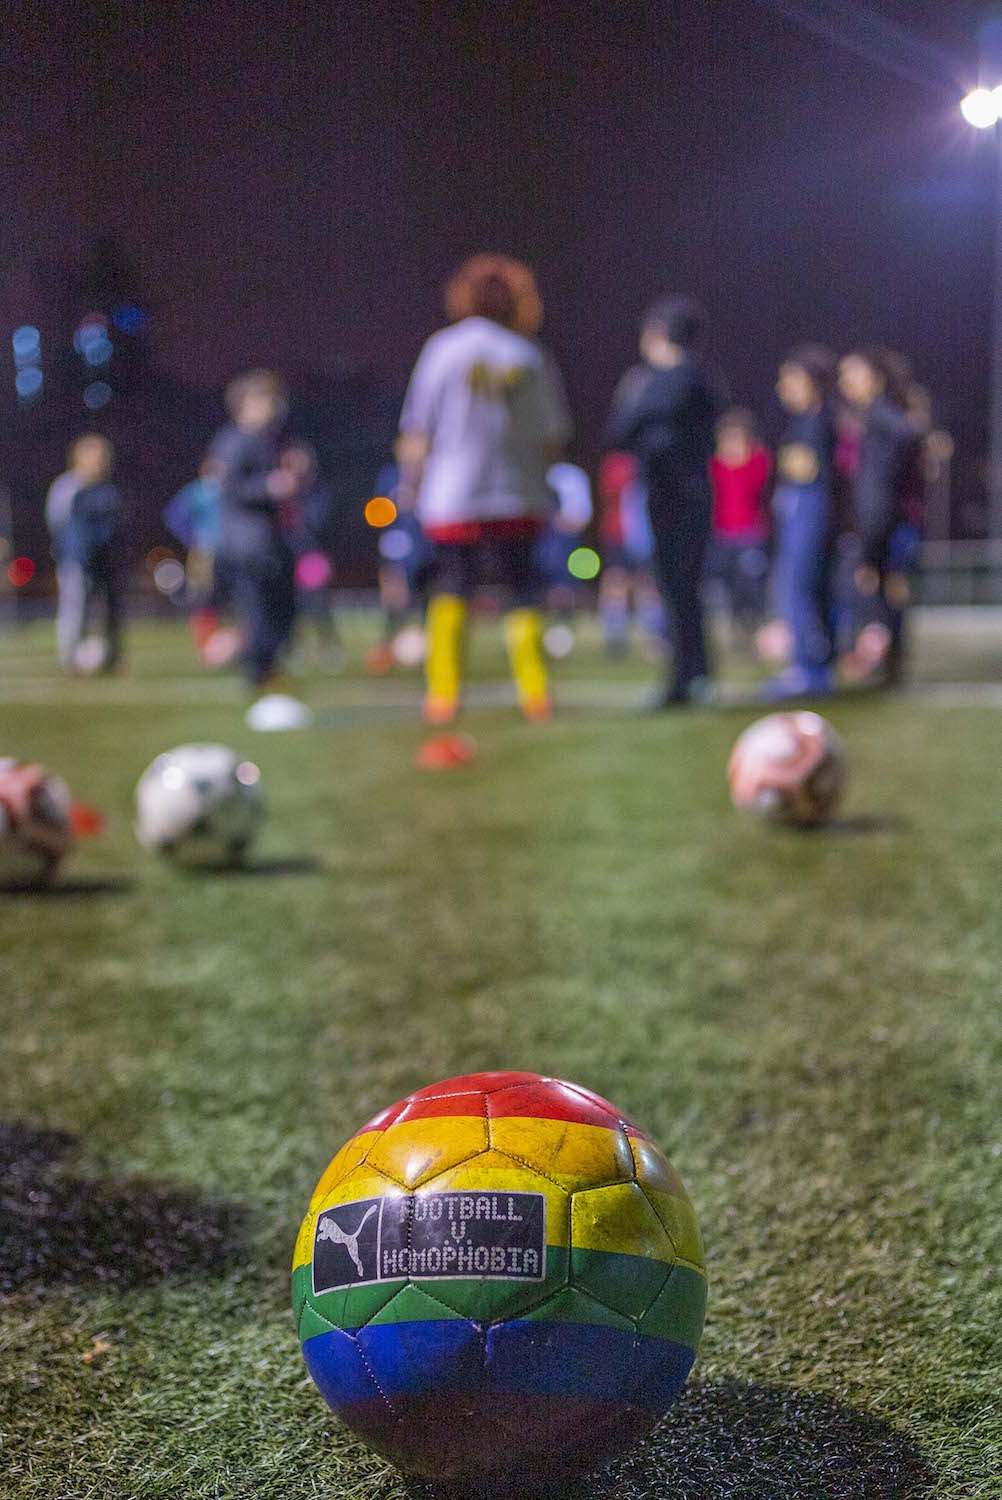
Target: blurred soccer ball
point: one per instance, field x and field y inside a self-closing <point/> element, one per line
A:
<point x="91" y="656"/>
<point x="200" y="804"/>
<point x="558" y="641"/>
<point x="409" y="646"/>
<point x="790" y="767"/>
<point x="36" y="828"/>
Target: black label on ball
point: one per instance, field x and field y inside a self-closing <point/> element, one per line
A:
<point x="487" y="1236"/>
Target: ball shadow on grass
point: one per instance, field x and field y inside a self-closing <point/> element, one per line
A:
<point x="272" y="869"/>
<point x="57" y="1229"/>
<point x="61" y="890"/>
<point x="861" y="824"/>
<point x="735" y="1441"/>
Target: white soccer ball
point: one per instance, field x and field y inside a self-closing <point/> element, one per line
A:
<point x="409" y="646"/>
<point x="790" y="767"/>
<point x="36" y="830"/>
<point x="200" y="804"/>
<point x="91" y="656"/>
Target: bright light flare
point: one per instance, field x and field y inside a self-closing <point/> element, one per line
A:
<point x="982" y="107"/>
<point x="380" y="511"/>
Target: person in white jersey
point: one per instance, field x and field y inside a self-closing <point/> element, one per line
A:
<point x="484" y="418"/>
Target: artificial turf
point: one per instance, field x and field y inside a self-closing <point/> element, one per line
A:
<point x="809" y="1024"/>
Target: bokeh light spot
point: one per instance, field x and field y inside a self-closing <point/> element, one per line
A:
<point x="98" y="351"/>
<point x="313" y="571"/>
<point x="128" y="318"/>
<point x="26" y="342"/>
<point x="380" y="511"/>
<point x="169" y="576"/>
<point x="92" y="329"/>
<point x="96" y="395"/>
<point x="28" y="382"/>
<point x="20" y="572"/>
<point x="396" y="545"/>
<point x="584" y="563"/>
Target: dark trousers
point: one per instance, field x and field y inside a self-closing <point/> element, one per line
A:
<point x="804" y="561"/>
<point x="264" y="592"/>
<point x="681" y="534"/>
<point x="740" y="564"/>
<point x="509" y="561"/>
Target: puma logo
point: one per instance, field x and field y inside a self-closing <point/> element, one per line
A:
<point x="328" y="1230"/>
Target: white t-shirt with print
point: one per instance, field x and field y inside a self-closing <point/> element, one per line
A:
<point x="489" y="402"/>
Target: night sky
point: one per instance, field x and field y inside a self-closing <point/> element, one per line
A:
<point x="293" y="183"/>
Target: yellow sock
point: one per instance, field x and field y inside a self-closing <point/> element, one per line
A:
<point x="446" y="619"/>
<point x="523" y="632"/>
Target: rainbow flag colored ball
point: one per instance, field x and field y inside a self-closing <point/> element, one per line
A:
<point x="501" y="1276"/>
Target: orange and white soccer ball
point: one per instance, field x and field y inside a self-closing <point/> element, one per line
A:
<point x="790" y="767"/>
<point x="36" y="823"/>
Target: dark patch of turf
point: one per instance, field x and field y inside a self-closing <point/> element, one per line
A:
<point x="59" y="1230"/>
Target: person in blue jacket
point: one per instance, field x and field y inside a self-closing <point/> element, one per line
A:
<point x="806" y="529"/>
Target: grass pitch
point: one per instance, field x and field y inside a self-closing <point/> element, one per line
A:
<point x="809" y="1024"/>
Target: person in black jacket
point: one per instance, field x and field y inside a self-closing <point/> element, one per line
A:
<point x="665" y="411"/>
<point x="253" y="549"/>
<point x="875" y="383"/>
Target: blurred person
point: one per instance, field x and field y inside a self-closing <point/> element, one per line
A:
<point x="877" y="385"/>
<point x="69" y="572"/>
<point x="740" y="470"/>
<point x="405" y="563"/>
<point x="308" y="519"/>
<point x="194" y="518"/>
<point x="484" y="417"/>
<point x="806" y="521"/>
<point x="83" y="512"/>
<point x="665" y="412"/>
<point x="255" y="552"/>
<point x="570" y="514"/>
<point x="627" y="546"/>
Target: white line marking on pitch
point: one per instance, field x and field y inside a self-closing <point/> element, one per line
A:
<point x="210" y="693"/>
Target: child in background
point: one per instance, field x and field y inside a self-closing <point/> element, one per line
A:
<point x="194" y="518"/>
<point x="877" y="384"/>
<point x="805" y="521"/>
<point x="308" y="521"/>
<point x="572" y="512"/>
<point x="84" y="516"/>
<point x="255" y="553"/>
<point x="740" y="470"/>
<point x="627" y="547"/>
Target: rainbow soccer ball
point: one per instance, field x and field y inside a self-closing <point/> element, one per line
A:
<point x="499" y="1278"/>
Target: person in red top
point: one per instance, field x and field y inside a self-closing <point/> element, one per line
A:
<point x="740" y="471"/>
<point x="627" y="547"/>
